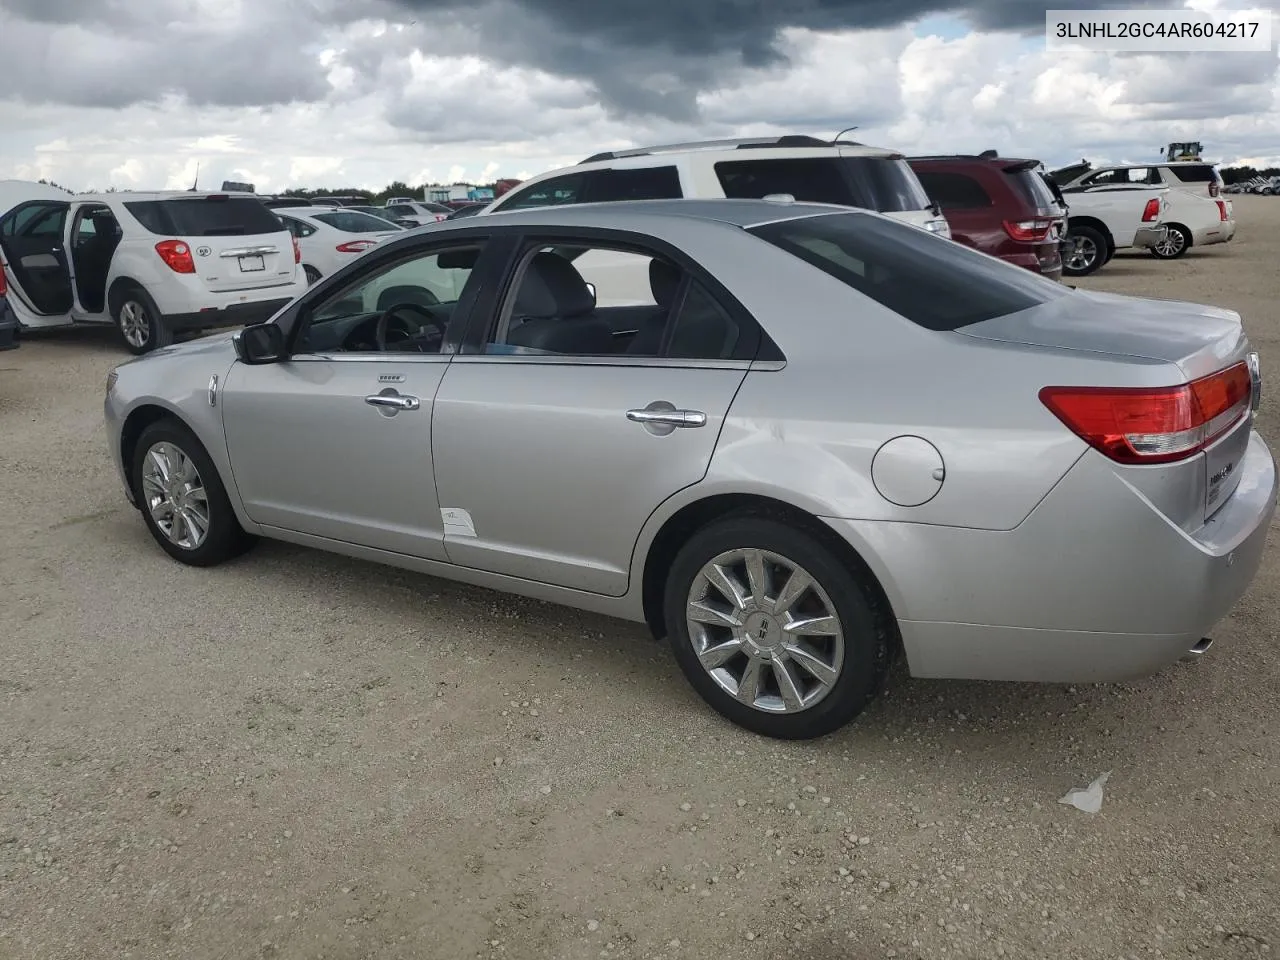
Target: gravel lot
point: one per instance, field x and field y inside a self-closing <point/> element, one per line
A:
<point x="299" y="755"/>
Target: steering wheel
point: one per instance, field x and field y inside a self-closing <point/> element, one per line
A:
<point x="410" y="329"/>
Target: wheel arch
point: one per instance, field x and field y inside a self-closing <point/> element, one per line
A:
<point x="117" y="289"/>
<point x="1187" y="231"/>
<point x="138" y="419"/>
<point x="676" y="530"/>
<point x="1084" y="220"/>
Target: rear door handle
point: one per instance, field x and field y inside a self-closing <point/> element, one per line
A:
<point x="668" y="417"/>
<point x="395" y="401"/>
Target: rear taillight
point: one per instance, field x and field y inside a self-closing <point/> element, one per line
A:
<point x="1222" y="210"/>
<point x="297" y="250"/>
<point x="440" y="217"/>
<point x="4" y="286"/>
<point x="176" y="255"/>
<point x="1029" y="231"/>
<point x="1157" y="424"/>
<point x="1152" y="211"/>
<point x="356" y="246"/>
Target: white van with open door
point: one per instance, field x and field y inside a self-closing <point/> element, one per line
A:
<point x="151" y="263"/>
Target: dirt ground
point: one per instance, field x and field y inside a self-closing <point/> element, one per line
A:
<point x="304" y="756"/>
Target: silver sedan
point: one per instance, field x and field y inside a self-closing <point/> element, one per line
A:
<point x="796" y="440"/>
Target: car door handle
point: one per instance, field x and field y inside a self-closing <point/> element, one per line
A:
<point x="670" y="418"/>
<point x="394" y="400"/>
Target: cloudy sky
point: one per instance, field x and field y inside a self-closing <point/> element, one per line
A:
<point x="135" y="93"/>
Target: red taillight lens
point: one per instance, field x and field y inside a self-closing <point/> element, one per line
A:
<point x="1152" y="211"/>
<point x="4" y="286"/>
<point x="1158" y="424"/>
<point x="176" y="255"/>
<point x="355" y="246"/>
<point x="1030" y="231"/>
<point x="1222" y="210"/>
<point x="297" y="250"/>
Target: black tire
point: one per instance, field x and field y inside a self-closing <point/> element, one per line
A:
<point x="1091" y="252"/>
<point x="865" y="626"/>
<point x="131" y="306"/>
<point x="224" y="538"/>
<point x="1177" y="245"/>
<point x="312" y="273"/>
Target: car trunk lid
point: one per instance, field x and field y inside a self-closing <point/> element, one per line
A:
<point x="235" y="241"/>
<point x="1207" y="346"/>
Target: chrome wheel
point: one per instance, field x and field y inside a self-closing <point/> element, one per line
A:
<point x="175" y="496"/>
<point x="134" y="324"/>
<point x="765" y="631"/>
<point x="1083" y="255"/>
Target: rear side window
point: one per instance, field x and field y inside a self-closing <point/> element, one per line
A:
<point x="646" y="183"/>
<point x="352" y="221"/>
<point x="205" y="217"/>
<point x="875" y="183"/>
<point x="548" y="193"/>
<point x="1195" y="173"/>
<point x="954" y="191"/>
<point x="932" y="282"/>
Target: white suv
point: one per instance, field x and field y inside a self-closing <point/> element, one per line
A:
<point x="1196" y="216"/>
<point x="151" y="263"/>
<point x="807" y="169"/>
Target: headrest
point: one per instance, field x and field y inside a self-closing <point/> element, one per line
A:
<point x="664" y="280"/>
<point x="552" y="287"/>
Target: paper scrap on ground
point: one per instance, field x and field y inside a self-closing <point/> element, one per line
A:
<point x="1088" y="799"/>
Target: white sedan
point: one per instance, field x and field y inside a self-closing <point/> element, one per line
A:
<point x="330" y="237"/>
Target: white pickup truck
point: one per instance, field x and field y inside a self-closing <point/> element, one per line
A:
<point x="1102" y="220"/>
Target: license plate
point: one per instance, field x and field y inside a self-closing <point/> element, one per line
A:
<point x="252" y="264"/>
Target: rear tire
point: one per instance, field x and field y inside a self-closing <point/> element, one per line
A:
<point x="1090" y="251"/>
<point x="182" y="499"/>
<point x="756" y="668"/>
<point x="1175" y="244"/>
<point x="140" y="323"/>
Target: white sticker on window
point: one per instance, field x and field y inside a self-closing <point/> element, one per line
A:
<point x="457" y="522"/>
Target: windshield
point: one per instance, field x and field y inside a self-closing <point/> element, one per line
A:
<point x="352" y="221"/>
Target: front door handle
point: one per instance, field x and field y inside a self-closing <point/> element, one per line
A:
<point x="394" y="400"/>
<point x="667" y="415"/>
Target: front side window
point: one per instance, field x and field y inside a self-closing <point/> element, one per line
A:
<point x="932" y="282"/>
<point x="37" y="220"/>
<point x="403" y="307"/>
<point x="599" y="300"/>
<point x="548" y="193"/>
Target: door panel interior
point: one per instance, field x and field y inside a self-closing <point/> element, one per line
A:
<point x="31" y="236"/>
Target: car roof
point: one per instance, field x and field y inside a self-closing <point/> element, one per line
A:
<point x="1153" y="163"/>
<point x="311" y="211"/>
<point x="997" y="160"/>
<point x="740" y="213"/>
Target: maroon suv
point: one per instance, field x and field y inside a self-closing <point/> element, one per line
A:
<point x="999" y="205"/>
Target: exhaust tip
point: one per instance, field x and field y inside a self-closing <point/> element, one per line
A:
<point x="1199" y="650"/>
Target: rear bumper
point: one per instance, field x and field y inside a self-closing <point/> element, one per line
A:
<point x="1095" y="585"/>
<point x="1150" y="236"/>
<point x="1221" y="232"/>
<point x="236" y="315"/>
<point x="8" y="327"/>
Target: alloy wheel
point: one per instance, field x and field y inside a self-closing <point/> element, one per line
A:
<point x="1083" y="255"/>
<point x="1172" y="244"/>
<point x="765" y="631"/>
<point x="175" y="495"/>
<point x="134" y="324"/>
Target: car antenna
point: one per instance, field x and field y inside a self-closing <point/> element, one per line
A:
<point x="836" y="138"/>
<point x="196" y="181"/>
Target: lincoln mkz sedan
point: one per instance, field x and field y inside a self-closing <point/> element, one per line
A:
<point x="810" y="439"/>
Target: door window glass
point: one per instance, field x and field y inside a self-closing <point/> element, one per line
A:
<point x="548" y="193"/>
<point x="402" y="307"/>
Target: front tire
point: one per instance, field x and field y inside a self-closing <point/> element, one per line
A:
<point x="774" y="630"/>
<point x="1175" y="244"/>
<point x="1089" y="254"/>
<point x="139" y="321"/>
<point x="182" y="499"/>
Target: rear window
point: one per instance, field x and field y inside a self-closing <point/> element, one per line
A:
<point x="932" y="282"/>
<point x="874" y="183"/>
<point x="1195" y="172"/>
<point x="1032" y="188"/>
<point x="352" y="221"/>
<point x="205" y="216"/>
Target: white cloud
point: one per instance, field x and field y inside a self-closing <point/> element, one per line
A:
<point x="366" y="101"/>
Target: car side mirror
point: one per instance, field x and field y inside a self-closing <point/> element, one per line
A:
<point x="260" y="343"/>
<point x="591" y="288"/>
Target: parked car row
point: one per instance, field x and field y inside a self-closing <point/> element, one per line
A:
<point x="1265" y="186"/>
<point x="155" y="264"/>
